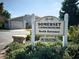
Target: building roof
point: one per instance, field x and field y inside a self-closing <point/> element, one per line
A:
<point x="36" y="17"/>
<point x="21" y="17"/>
<point x="17" y="18"/>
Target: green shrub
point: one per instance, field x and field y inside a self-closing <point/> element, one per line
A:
<point x="71" y="51"/>
<point x="37" y="37"/>
<point x="49" y="44"/>
<point x="74" y="34"/>
<point x="14" y="46"/>
<point x="41" y="51"/>
<point x="28" y="38"/>
<point x="13" y="54"/>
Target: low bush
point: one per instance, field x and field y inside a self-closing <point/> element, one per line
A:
<point x="40" y="51"/>
<point x="37" y="37"/>
<point x="71" y="51"/>
<point x="28" y="38"/>
<point x="74" y="34"/>
<point x="14" y="46"/>
<point x="43" y="50"/>
<point x="14" y="53"/>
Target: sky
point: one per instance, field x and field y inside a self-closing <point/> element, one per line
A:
<point x="38" y="7"/>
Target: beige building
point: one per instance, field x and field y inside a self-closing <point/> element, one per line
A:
<point x="20" y="22"/>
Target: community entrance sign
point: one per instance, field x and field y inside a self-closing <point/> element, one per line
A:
<point x="49" y="27"/>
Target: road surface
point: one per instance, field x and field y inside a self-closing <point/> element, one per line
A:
<point x="6" y="36"/>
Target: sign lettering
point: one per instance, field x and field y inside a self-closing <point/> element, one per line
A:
<point x="49" y="27"/>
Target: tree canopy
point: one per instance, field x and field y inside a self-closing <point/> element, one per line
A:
<point x="70" y="7"/>
<point x="4" y="16"/>
<point x="3" y="12"/>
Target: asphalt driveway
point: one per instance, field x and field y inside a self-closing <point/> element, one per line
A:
<point x="6" y="36"/>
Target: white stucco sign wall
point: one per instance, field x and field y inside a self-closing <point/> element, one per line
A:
<point x="50" y="27"/>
